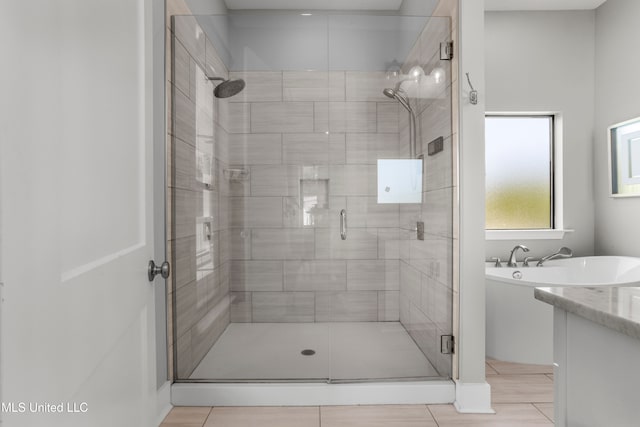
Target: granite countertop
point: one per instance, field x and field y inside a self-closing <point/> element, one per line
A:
<point x="617" y="308"/>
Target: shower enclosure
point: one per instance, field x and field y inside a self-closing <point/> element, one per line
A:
<point x="285" y="265"/>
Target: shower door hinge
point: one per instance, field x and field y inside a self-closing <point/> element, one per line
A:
<point x="446" y="51"/>
<point x="447" y="344"/>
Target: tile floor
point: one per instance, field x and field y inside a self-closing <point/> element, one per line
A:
<point x="343" y="351"/>
<point x="522" y="396"/>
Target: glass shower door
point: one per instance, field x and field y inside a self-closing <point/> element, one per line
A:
<point x="286" y="266"/>
<point x="397" y="299"/>
<point x="199" y="284"/>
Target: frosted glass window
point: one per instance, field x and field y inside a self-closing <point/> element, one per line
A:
<point x="399" y="181"/>
<point x="519" y="178"/>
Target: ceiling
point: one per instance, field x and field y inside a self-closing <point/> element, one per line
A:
<point x="315" y="4"/>
<point x="542" y="4"/>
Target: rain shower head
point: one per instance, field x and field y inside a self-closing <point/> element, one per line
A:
<point x="227" y="88"/>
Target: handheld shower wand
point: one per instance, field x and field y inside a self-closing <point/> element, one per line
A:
<point x="399" y="96"/>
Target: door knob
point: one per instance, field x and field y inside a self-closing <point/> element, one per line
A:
<point x="162" y="269"/>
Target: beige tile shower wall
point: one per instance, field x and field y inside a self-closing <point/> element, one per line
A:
<point x="198" y="156"/>
<point x="324" y="131"/>
<point x="426" y="267"/>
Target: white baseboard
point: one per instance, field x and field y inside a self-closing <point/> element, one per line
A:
<point x="473" y="398"/>
<point x="314" y="394"/>
<point x="164" y="402"/>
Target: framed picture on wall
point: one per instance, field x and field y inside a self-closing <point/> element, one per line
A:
<point x="624" y="158"/>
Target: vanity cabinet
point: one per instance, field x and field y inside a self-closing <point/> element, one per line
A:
<point x="596" y="355"/>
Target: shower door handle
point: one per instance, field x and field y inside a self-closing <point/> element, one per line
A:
<point x="343" y="224"/>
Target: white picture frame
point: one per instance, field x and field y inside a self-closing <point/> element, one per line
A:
<point x="624" y="158"/>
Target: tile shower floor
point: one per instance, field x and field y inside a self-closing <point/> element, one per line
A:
<point x="343" y="351"/>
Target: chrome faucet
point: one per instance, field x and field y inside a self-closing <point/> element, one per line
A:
<point x="512" y="258"/>
<point x="563" y="252"/>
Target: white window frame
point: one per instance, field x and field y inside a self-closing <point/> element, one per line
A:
<point x="558" y="231"/>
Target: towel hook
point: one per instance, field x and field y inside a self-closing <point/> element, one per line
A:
<point x="473" y="95"/>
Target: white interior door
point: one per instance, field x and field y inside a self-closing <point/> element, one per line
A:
<point x="77" y="315"/>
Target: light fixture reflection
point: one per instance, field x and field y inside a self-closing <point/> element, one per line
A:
<point x="438" y="75"/>
<point x="416" y="72"/>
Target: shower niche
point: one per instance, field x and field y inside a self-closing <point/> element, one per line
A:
<point x="262" y="180"/>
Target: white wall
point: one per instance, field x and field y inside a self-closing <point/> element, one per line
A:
<point x="544" y="61"/>
<point x="617" y="99"/>
<point x="472" y="391"/>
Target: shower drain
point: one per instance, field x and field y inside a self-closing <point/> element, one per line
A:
<point x="308" y="352"/>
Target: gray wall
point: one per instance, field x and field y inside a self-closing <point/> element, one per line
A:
<point x="418" y="7"/>
<point x="207" y="7"/>
<point x="263" y="42"/>
<point x="544" y="61"/>
<point x="617" y="94"/>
